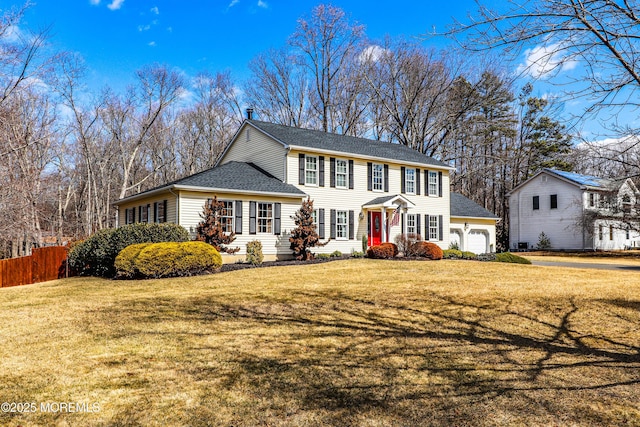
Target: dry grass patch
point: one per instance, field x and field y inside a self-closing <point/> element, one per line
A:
<point x="356" y="342"/>
<point x="620" y="260"/>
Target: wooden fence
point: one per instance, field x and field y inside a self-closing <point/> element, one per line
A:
<point x="44" y="264"/>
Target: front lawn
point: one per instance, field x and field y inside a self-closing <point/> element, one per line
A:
<point x="355" y="342"/>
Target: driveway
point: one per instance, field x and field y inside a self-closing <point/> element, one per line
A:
<point x="598" y="266"/>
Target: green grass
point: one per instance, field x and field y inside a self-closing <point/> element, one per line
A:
<point x="355" y="342"/>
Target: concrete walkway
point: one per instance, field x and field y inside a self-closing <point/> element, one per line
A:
<point x="598" y="266"/>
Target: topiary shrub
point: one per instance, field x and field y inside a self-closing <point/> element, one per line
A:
<point x="173" y="259"/>
<point x="254" y="252"/>
<point x="383" y="251"/>
<point x="511" y="258"/>
<point x="427" y="250"/>
<point x="392" y="246"/>
<point x="452" y="254"/>
<point x="469" y="255"/>
<point x="125" y="262"/>
<point x="96" y="255"/>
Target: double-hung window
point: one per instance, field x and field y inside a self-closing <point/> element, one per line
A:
<point x="265" y="217"/>
<point x="226" y="216"/>
<point x="311" y="170"/>
<point x="433" y="183"/>
<point x="410" y="181"/>
<point x="341" y="173"/>
<point x="536" y="203"/>
<point x="433" y="227"/>
<point x="378" y="177"/>
<point x="342" y="224"/>
<point x="411" y="224"/>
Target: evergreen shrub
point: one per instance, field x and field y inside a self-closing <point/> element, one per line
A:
<point x="427" y="250"/>
<point x="254" y="252"/>
<point x="511" y="258"/>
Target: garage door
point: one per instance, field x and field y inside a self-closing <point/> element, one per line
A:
<point x="478" y="241"/>
<point x="454" y="238"/>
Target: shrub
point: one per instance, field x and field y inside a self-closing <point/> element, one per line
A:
<point x="96" y="255"/>
<point x="486" y="257"/>
<point x="392" y="246"/>
<point x="323" y="256"/>
<point x="304" y="236"/>
<point x="452" y="254"/>
<point x="173" y="259"/>
<point x="511" y="258"/>
<point x="454" y="246"/>
<point x="336" y="254"/>
<point x="211" y="230"/>
<point x="125" y="262"/>
<point x="405" y="243"/>
<point x="469" y="255"/>
<point x="427" y="250"/>
<point x="254" y="252"/>
<point x="382" y="251"/>
<point x="544" y="242"/>
<point x="357" y="254"/>
<point x="365" y="242"/>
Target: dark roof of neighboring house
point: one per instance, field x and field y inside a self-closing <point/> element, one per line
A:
<point x="464" y="207"/>
<point x="238" y="176"/>
<point x="315" y="139"/>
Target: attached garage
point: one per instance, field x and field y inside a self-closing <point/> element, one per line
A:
<point x="478" y="242"/>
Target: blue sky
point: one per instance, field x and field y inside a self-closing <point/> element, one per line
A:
<point x="117" y="37"/>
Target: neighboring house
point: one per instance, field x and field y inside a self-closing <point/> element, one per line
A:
<point x="364" y="192"/>
<point x="574" y="211"/>
<point x="473" y="228"/>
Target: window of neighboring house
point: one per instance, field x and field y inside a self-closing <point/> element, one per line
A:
<point x="626" y="203"/>
<point x="627" y="234"/>
<point x="410" y="181"/>
<point x="592" y="200"/>
<point x="536" y="203"/>
<point x="265" y="217"/>
<point x="342" y="224"/>
<point x="130" y="216"/>
<point x="144" y="213"/>
<point x="553" y="199"/>
<point x="600" y="232"/>
<point x="378" y="177"/>
<point x="226" y="216"/>
<point x="433" y="227"/>
<point x="433" y="183"/>
<point x="411" y="224"/>
<point x="341" y="173"/>
<point x="161" y="214"/>
<point x="311" y="170"/>
<point x="611" y="232"/>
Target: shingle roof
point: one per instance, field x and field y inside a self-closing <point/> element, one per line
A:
<point x="379" y="200"/>
<point x="238" y="176"/>
<point x="342" y="143"/>
<point x="464" y="207"/>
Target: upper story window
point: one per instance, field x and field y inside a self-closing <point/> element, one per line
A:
<point x="433" y="183"/>
<point x="536" y="203"/>
<point x="626" y="203"/>
<point x="553" y="201"/>
<point x="592" y="200"/>
<point x="341" y="173"/>
<point x="410" y="181"/>
<point x="378" y="177"/>
<point x="311" y="170"/>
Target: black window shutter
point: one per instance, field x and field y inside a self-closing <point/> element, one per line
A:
<point x="164" y="205"/>
<point x="277" y="207"/>
<point x="426" y="227"/>
<point x="155" y="211"/>
<point x="426" y="183"/>
<point x="418" y="230"/>
<point x="252" y="217"/>
<point x="321" y="223"/>
<point x="301" y="169"/>
<point x="351" y="174"/>
<point x="369" y="176"/>
<point x="321" y="171"/>
<point x="332" y="231"/>
<point x="417" y="182"/>
<point x="386" y="178"/>
<point x="126" y="216"/>
<point x="351" y="225"/>
<point x="439" y="184"/>
<point x="403" y="176"/>
<point x="332" y="172"/>
<point x="238" y="228"/>
<point x="133" y="216"/>
<point x="440" y="228"/>
<point x="149" y="213"/>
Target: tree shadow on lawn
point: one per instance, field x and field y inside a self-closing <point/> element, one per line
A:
<point x="428" y="361"/>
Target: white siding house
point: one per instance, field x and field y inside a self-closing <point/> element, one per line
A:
<point x="364" y="192"/>
<point x="565" y="206"/>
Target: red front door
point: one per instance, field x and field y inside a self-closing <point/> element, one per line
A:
<point x="375" y="228"/>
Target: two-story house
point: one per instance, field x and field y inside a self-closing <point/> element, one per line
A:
<point x="576" y="212"/>
<point x="363" y="190"/>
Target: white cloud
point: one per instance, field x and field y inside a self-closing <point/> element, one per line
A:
<point x="115" y="4"/>
<point x="233" y="3"/>
<point x="155" y="10"/>
<point x="262" y="4"/>
<point x="372" y="53"/>
<point x="545" y="59"/>
<point x="94" y="2"/>
<point x="152" y="44"/>
<point x="142" y="28"/>
<point x="12" y="34"/>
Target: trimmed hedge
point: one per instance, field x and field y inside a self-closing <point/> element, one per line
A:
<point x="452" y="254"/>
<point x="427" y="250"/>
<point x="383" y="251"/>
<point x="96" y="255"/>
<point x="169" y="259"/>
<point x="511" y="258"/>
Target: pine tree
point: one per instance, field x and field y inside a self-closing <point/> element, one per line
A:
<point x="304" y="236"/>
<point x="210" y="229"/>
